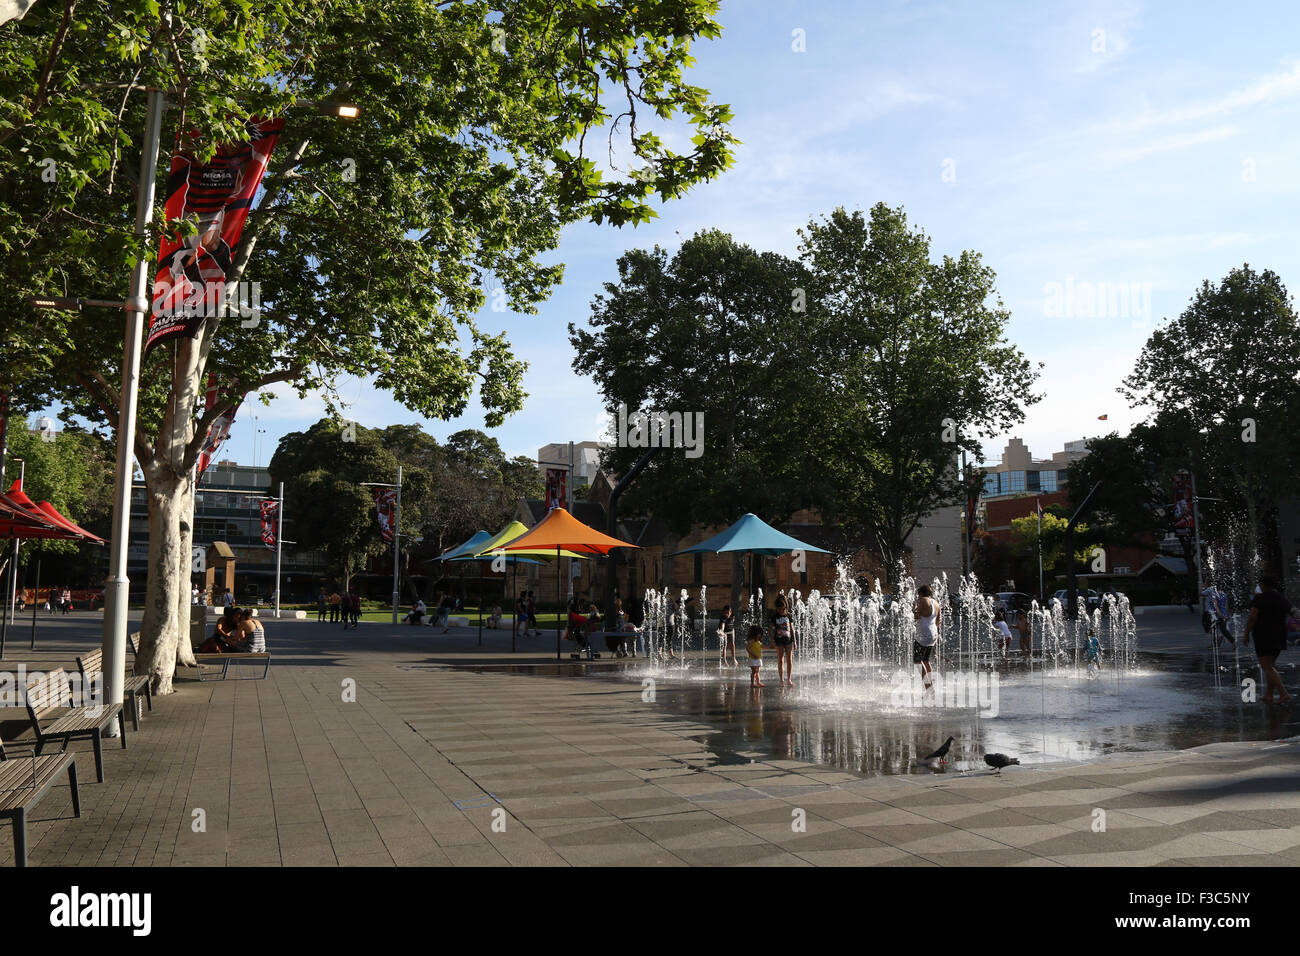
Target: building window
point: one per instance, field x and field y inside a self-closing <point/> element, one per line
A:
<point x="1047" y="480"/>
<point x="1062" y="478"/>
<point x="991" y="485"/>
<point x="1032" y="481"/>
<point x="1017" y="481"/>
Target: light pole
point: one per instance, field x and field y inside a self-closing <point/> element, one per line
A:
<point x="117" y="586"/>
<point x="397" y="530"/>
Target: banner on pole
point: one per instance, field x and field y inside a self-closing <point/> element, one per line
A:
<point x="192" y="272"/>
<point x="218" y="432"/>
<point x="386" y="512"/>
<point x="270" y="511"/>
<point x="557" y="488"/>
<point x="1184" y="516"/>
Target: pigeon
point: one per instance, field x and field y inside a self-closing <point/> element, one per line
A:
<point x="998" y="761"/>
<point x="939" y="755"/>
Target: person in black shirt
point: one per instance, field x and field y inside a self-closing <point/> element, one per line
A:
<point x="727" y="635"/>
<point x="1267" y="623"/>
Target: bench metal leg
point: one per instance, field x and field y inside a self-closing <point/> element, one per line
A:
<point x="72" y="785"/>
<point x="266" y="670"/>
<point x="99" y="757"/>
<point x="148" y="697"/>
<point x="135" y="713"/>
<point x="225" y="666"/>
<point x="121" y="725"/>
<point x="20" y="837"/>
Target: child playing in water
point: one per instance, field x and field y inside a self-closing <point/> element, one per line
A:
<point x="754" y="645"/>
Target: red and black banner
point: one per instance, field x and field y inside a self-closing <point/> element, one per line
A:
<point x="270" y="512"/>
<point x="218" y="432"/>
<point x="557" y="488"/>
<point x="218" y="195"/>
<point x="386" y="511"/>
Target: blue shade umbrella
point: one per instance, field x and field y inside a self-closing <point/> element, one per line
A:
<point x="753" y="535"/>
<point x="468" y="548"/>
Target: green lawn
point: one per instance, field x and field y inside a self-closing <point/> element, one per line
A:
<point x="384" y="613"/>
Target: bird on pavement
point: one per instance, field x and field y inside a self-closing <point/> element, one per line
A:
<point x="938" y="756"/>
<point x="998" y="761"/>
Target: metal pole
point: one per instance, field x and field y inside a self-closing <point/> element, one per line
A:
<point x="1196" y="524"/>
<point x="560" y="609"/>
<point x="36" y="600"/>
<point x="1040" y="550"/>
<point x="117" y="586"/>
<point x="279" y="543"/>
<point x="11" y="604"/>
<point x="397" y="537"/>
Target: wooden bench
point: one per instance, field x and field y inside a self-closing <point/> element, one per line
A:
<point x="44" y="702"/>
<point x="23" y="781"/>
<point x="132" y="685"/>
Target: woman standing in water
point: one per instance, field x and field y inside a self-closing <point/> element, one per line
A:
<point x="783" y="638"/>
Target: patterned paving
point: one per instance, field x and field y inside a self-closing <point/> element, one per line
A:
<point x="445" y="767"/>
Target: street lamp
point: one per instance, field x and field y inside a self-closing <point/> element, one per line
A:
<point x="397" y="530"/>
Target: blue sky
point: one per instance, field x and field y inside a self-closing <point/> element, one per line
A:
<point x="1145" y="146"/>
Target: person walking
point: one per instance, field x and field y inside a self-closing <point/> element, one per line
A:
<point x="322" y="605"/>
<point x="783" y="637"/>
<point x="1267" y="625"/>
<point x="354" y="608"/>
<point x="345" y="608"/>
<point x="65" y="600"/>
<point x="336" y="606"/>
<point x="532" y="614"/>
<point x="926" y="614"/>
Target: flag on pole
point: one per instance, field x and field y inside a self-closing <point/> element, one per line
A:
<point x="216" y="196"/>
<point x="386" y="511"/>
<point x="270" y="511"/>
<point x="218" y="432"/>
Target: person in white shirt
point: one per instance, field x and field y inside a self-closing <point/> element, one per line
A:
<point x="926" y="614"/>
<point x="194" y="594"/>
<point x="417" y="613"/>
<point x="1000" y="625"/>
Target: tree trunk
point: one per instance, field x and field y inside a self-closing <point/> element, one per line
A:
<point x="184" y="649"/>
<point x="160" y="631"/>
<point x="167" y="480"/>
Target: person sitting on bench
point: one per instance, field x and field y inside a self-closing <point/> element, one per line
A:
<point x="417" y="613"/>
<point x="251" y="636"/>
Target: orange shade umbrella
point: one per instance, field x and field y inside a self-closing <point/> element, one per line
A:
<point x="563" y="532"/>
<point x="559" y="529"/>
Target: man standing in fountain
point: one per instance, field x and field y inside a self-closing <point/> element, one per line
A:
<point x="1267" y="622"/>
<point x="926" y="614"/>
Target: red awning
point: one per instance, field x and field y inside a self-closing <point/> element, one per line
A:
<point x="20" y="517"/>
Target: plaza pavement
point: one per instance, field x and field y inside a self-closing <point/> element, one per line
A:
<point x="429" y="757"/>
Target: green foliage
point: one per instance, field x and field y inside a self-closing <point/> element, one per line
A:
<point x="708" y="330"/>
<point x="375" y="237"/>
<point x="1222" y="381"/>
<point x="73" y="471"/>
<point x="907" y="367"/>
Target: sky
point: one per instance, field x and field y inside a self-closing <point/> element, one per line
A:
<point x="1147" y="147"/>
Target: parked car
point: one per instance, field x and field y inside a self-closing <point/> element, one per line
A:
<point x="1087" y="597"/>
